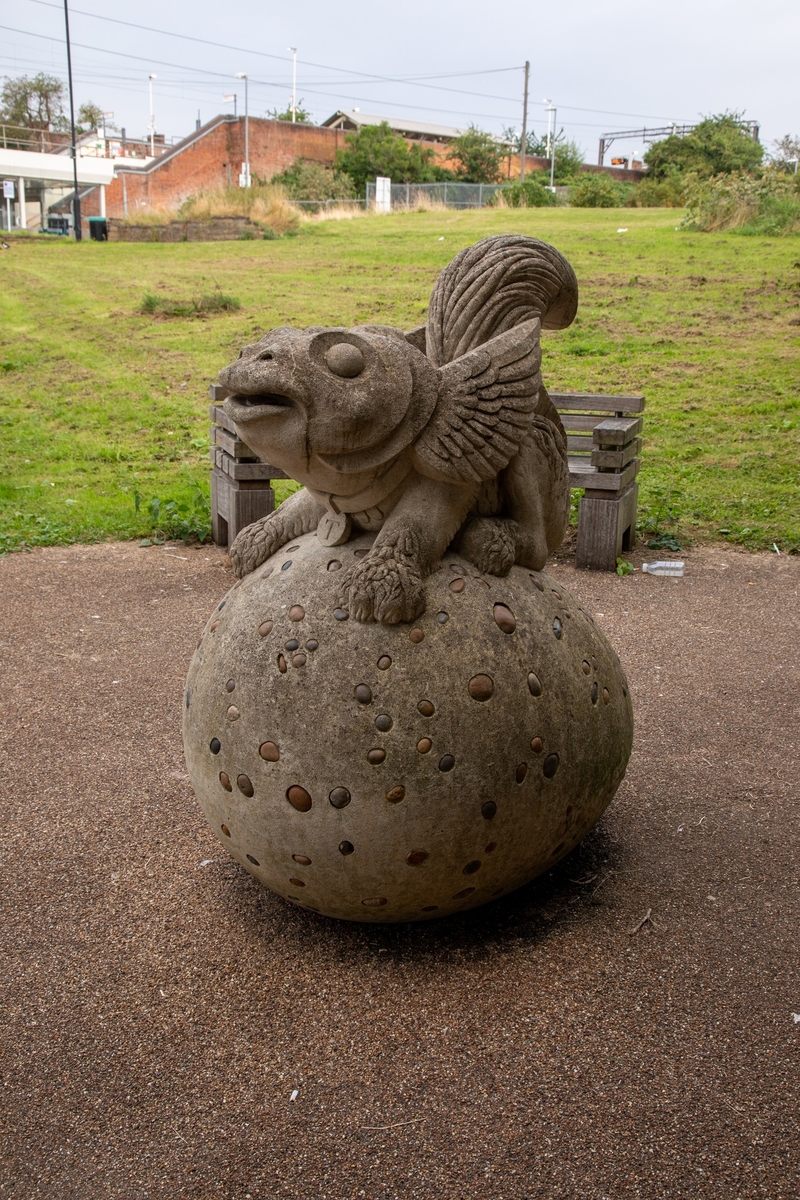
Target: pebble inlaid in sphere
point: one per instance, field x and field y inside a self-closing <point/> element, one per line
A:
<point x="534" y="759"/>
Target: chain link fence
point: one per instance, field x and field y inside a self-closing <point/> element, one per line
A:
<point x="438" y="195"/>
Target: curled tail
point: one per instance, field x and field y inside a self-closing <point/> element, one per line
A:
<point x="493" y="286"/>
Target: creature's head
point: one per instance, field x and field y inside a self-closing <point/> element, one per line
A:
<point x="351" y="397"/>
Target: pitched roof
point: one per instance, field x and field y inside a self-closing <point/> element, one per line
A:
<point x="354" y="119"/>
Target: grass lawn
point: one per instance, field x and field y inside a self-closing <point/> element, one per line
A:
<point x="100" y="403"/>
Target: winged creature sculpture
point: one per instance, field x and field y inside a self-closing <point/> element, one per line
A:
<point x="443" y="436"/>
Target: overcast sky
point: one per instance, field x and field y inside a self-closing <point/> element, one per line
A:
<point x="613" y="65"/>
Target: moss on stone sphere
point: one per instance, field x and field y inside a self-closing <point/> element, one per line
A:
<point x="402" y="772"/>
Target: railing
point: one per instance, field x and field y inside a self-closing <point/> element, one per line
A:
<point x="444" y="195"/>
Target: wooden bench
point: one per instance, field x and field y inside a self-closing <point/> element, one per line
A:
<point x="603" y="441"/>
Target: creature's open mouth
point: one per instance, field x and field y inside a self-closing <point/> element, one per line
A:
<point x="249" y="407"/>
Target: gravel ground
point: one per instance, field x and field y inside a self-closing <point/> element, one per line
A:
<point x="160" y="1010"/>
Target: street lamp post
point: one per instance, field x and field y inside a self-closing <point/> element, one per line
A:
<point x="294" y="81"/>
<point x="150" y="79"/>
<point x="76" y="200"/>
<point x="551" y="138"/>
<point x="245" y="181"/>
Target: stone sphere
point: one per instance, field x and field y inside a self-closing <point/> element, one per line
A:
<point x="402" y="772"/>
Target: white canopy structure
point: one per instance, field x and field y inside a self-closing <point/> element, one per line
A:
<point x="53" y="169"/>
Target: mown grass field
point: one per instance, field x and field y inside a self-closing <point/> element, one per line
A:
<point x="99" y="402"/>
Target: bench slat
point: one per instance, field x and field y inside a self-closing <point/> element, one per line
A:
<point x="583" y="475"/>
<point x="580" y="422"/>
<point x="220" y="417"/>
<point x="616" y="459"/>
<point x="587" y="401"/>
<point x="617" y="432"/>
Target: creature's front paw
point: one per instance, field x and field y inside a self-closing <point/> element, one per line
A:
<point x="383" y="589"/>
<point x="490" y="544"/>
<point x="254" y="545"/>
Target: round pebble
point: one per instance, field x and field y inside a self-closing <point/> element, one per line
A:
<point x="244" y="785"/>
<point x="269" y="752"/>
<point x="396" y="794"/>
<point x="534" y="684"/>
<point x="504" y="618"/>
<point x="341" y="614"/>
<point x="521" y="772"/>
<point x="384" y="662"/>
<point x="334" y="565"/>
<point x="254" y="861"/>
<point x="471" y="867"/>
<point x="302" y="859"/>
<point x="225" y="780"/>
<point x="416" y="636"/>
<point x="606" y="696"/>
<point x="265" y="628"/>
<point x="296" y="612"/>
<point x="312" y="644"/>
<point x="282" y="664"/>
<point x="232" y="713"/>
<point x="557" y="628"/>
<point x="339" y="797"/>
<point x="537" y="745"/>
<point x="594" y="693"/>
<point x="426" y="708"/>
<point x="481" y="687"/>
<point x="376" y="756"/>
<point x="424" y="745"/>
<point x="346" y="847"/>
<point x="225" y="830"/>
<point x="374" y="902"/>
<point x="297" y="882"/>
<point x="363" y="694"/>
<point x="292" y="644"/>
<point x="298" y="797"/>
<point x="384" y="723"/>
<point x="416" y="857"/>
<point x="447" y="762"/>
<point x="488" y="810"/>
<point x="215" y="745"/>
<point x="286" y="565"/>
<point x="230" y="685"/>
<point x="457" y="585"/>
<point x="299" y="660"/>
<point x="550" y="766"/>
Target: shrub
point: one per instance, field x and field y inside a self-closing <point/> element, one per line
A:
<point x="377" y="150"/>
<point x="477" y="156"/>
<point x="658" y="193"/>
<point x="768" y="205"/>
<point x="306" y="180"/>
<point x="530" y="194"/>
<point x="718" y="145"/>
<point x="598" y="191"/>
<point x="189" y="521"/>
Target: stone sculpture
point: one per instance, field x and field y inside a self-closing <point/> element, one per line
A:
<point x="442" y="435"/>
<point x="395" y="714"/>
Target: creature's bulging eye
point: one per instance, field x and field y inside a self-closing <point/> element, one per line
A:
<point x="345" y="360"/>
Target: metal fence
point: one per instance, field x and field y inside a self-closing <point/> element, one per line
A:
<point x="319" y="205"/>
<point x="444" y="195"/>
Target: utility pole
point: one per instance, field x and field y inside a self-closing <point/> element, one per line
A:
<point x="246" y="171"/>
<point x="294" y="81"/>
<point x="523" y="145"/>
<point x="76" y="200"/>
<point x="553" y="151"/>
<point x="150" y="79"/>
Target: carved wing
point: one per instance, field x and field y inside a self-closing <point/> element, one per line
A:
<point x="486" y="403"/>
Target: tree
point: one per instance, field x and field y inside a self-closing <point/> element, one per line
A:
<point x="301" y="115"/>
<point x="90" y="116"/>
<point x="717" y="146"/>
<point x="568" y="155"/>
<point x="477" y="156"/>
<point x="377" y="150"/>
<point x="34" y="103"/>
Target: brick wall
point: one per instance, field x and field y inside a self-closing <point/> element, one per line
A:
<point x="213" y="156"/>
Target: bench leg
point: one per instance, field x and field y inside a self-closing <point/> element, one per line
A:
<point x="236" y="503"/>
<point x="606" y="528"/>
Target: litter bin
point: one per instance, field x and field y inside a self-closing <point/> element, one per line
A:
<point x="98" y="229"/>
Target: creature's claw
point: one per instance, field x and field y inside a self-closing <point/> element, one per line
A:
<point x="256" y="543"/>
<point x="490" y="544"/>
<point x="385" y="586"/>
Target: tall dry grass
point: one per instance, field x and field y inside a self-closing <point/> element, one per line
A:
<point x="266" y="205"/>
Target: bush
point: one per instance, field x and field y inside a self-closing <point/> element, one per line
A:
<point x="598" y="191"/>
<point x="718" y="145"/>
<point x="265" y="204"/>
<point x="377" y="150"/>
<point x="306" y="180"/>
<point x="173" y="519"/>
<point x="658" y="193"/>
<point x="476" y="155"/>
<point x="768" y="205"/>
<point x="530" y="194"/>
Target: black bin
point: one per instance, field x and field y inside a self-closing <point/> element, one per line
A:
<point x="98" y="229"/>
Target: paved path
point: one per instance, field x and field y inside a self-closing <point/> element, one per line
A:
<point x="158" y="1013"/>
